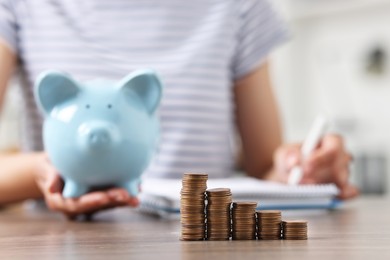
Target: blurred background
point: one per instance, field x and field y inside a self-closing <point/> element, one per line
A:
<point x="336" y="63"/>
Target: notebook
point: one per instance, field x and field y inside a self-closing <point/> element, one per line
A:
<point x="162" y="196"/>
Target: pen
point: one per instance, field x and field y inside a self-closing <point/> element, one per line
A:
<point x="314" y="137"/>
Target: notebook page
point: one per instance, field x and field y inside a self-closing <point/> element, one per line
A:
<point x="162" y="196"/>
<point x="241" y="187"/>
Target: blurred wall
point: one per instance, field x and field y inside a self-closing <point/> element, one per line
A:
<point x="337" y="64"/>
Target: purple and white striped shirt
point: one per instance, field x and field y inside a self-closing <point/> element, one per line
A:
<point x="198" y="47"/>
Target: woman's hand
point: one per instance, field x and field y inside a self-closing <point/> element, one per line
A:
<point x="329" y="163"/>
<point x="51" y="185"/>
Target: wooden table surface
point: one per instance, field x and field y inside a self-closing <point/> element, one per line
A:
<point x="358" y="230"/>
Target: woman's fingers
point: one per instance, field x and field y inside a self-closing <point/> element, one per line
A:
<point x="329" y="163"/>
<point x="54" y="182"/>
<point x="122" y="196"/>
<point x="90" y="202"/>
<point x="118" y="195"/>
<point x="319" y="175"/>
<point x="348" y="192"/>
<point x="287" y="157"/>
<point x="326" y="154"/>
<point x="47" y="177"/>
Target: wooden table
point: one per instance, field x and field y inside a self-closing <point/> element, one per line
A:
<point x="359" y="230"/>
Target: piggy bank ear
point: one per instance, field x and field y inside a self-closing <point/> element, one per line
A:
<point x="146" y="85"/>
<point x="53" y="88"/>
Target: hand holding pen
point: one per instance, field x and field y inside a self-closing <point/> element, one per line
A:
<point x="322" y="158"/>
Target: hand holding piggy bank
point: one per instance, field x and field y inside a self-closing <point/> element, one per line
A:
<point x="99" y="133"/>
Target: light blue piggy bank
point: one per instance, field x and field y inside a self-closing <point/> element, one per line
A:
<point x="99" y="133"/>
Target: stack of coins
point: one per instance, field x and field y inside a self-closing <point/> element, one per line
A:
<point x="218" y="214"/>
<point x="244" y="220"/>
<point x="192" y="206"/>
<point x="269" y="224"/>
<point x="294" y="229"/>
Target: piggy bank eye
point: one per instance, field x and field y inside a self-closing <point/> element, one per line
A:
<point x="109" y="106"/>
<point x="87" y="106"/>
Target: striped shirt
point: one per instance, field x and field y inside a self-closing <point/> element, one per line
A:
<point x="198" y="48"/>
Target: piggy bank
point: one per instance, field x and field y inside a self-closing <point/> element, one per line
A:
<point x="99" y="133"/>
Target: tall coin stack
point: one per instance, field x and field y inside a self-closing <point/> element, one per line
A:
<point x="218" y="214"/>
<point x="244" y="220"/>
<point x="294" y="229"/>
<point x="192" y="206"/>
<point x="269" y="224"/>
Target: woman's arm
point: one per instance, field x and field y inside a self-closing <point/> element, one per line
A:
<point x="7" y="68"/>
<point x="17" y="182"/>
<point x="16" y="178"/>
<point x="258" y="121"/>
<point x="264" y="155"/>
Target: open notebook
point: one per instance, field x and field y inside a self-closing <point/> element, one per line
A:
<point x="162" y="196"/>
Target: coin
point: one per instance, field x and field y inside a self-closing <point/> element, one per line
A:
<point x="294" y="229"/>
<point x="244" y="220"/>
<point x="211" y="214"/>
<point x="218" y="214"/>
<point x="269" y="224"/>
<point x="192" y="206"/>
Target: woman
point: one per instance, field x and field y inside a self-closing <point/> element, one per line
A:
<point x="211" y="55"/>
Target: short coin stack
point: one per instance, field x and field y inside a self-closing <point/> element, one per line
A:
<point x="244" y="220"/>
<point x="294" y="229"/>
<point x="192" y="206"/>
<point x="218" y="214"/>
<point x="269" y="224"/>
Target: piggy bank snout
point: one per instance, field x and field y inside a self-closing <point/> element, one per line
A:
<point x="98" y="135"/>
